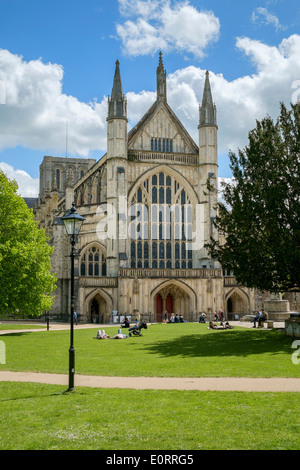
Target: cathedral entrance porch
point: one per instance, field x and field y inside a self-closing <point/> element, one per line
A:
<point x="237" y="304"/>
<point x="172" y="297"/>
<point x="98" y="307"/>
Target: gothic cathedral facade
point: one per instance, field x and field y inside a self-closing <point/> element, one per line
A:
<point x="148" y="215"/>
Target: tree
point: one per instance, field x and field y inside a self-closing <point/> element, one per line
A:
<point x="26" y="281"/>
<point x="259" y="217"/>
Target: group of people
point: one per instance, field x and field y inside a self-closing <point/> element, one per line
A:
<point x="103" y="335"/>
<point x="125" y="324"/>
<point x="174" y="318"/>
<point x="260" y="317"/>
<point x="222" y="326"/>
<point x="217" y="316"/>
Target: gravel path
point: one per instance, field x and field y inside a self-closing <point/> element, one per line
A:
<point x="241" y="384"/>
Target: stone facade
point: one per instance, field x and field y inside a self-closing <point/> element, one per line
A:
<point x="148" y="214"/>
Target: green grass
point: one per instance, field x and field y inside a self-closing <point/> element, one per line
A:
<point x="36" y="416"/>
<point x="184" y="350"/>
<point x="22" y="326"/>
<point x="41" y="417"/>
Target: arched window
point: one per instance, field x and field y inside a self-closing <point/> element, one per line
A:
<point x="57" y="178"/>
<point x="93" y="262"/>
<point x="161" y="224"/>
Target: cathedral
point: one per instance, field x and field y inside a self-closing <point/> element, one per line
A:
<point x="149" y="205"/>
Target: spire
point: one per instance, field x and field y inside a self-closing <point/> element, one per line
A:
<point x="207" y="111"/>
<point x="117" y="103"/>
<point x="161" y="75"/>
<point x="117" y="91"/>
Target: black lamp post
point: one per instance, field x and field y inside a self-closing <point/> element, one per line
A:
<point x="72" y="222"/>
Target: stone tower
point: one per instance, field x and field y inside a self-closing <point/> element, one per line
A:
<point x="208" y="163"/>
<point x="116" y="174"/>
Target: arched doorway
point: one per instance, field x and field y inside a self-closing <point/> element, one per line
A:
<point x="173" y="297"/>
<point x="229" y="306"/>
<point x="164" y="307"/>
<point x="97" y="309"/>
<point x="237" y="304"/>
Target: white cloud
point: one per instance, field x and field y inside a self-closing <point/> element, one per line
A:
<point x="240" y="102"/>
<point x="187" y="29"/>
<point x="36" y="110"/>
<point x="138" y="104"/>
<point x="159" y="26"/>
<point x="222" y="181"/>
<point x="140" y="38"/>
<point x="143" y="8"/>
<point x="28" y="186"/>
<point x="263" y="16"/>
<point x="2" y="93"/>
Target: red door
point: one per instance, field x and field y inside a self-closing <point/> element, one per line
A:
<point x="159" y="307"/>
<point x="169" y="303"/>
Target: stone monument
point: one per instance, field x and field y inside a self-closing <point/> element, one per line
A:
<point x="278" y="309"/>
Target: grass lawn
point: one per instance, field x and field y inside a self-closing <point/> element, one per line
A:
<point x="37" y="416"/>
<point x="179" y="350"/>
<point x="16" y="326"/>
<point x="41" y="417"/>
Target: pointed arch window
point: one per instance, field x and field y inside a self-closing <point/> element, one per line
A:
<point x="93" y="262"/>
<point x="161" y="231"/>
<point x="57" y="178"/>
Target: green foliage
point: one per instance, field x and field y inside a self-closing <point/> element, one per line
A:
<point x="26" y="282"/>
<point x="261" y="214"/>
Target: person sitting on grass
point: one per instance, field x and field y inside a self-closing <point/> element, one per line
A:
<point x="125" y="323"/>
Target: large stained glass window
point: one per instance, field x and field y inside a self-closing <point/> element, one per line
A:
<point x="161" y="224"/>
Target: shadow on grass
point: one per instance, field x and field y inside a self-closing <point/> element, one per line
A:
<point x="224" y="343"/>
<point x="17" y="333"/>
<point x="33" y="397"/>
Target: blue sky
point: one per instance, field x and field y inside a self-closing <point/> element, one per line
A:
<point x="57" y="63"/>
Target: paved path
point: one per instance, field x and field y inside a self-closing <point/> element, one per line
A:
<point x="241" y="384"/>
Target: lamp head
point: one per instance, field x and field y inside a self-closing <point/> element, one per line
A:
<point x="73" y="221"/>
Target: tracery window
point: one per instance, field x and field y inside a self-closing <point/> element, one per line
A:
<point x="93" y="262"/>
<point x="161" y="145"/>
<point x="161" y="222"/>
